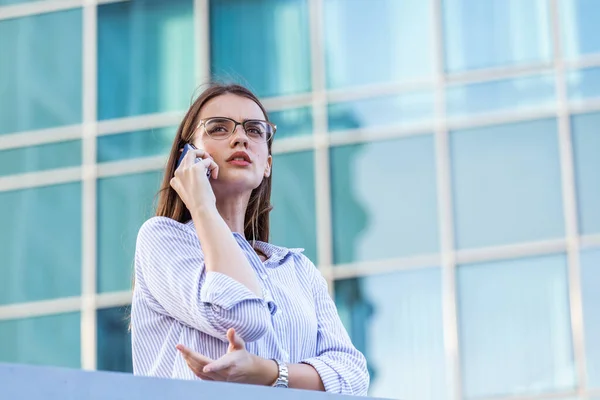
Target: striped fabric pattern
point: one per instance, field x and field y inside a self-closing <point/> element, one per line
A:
<point x="176" y="301"/>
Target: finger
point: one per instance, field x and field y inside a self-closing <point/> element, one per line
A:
<point x="235" y="341"/>
<point x="189" y="354"/>
<point x="211" y="166"/>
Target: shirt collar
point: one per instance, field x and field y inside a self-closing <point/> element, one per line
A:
<point x="275" y="254"/>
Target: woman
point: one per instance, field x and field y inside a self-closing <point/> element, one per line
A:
<point x="213" y="299"/>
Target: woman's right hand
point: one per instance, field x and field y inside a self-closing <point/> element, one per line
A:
<point x="190" y="181"/>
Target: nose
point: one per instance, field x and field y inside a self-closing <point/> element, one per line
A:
<point x="239" y="137"/>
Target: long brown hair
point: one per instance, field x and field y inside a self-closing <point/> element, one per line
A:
<point x="256" y="221"/>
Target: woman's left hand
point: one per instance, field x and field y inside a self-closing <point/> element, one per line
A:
<point x="237" y="365"/>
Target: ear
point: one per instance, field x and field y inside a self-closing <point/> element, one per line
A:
<point x="268" y="167"/>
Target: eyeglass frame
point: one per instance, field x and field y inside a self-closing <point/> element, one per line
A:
<point x="202" y="123"/>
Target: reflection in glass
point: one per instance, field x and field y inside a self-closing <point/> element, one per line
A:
<point x="579" y="22"/>
<point x="586" y="148"/>
<point x="40" y="243"/>
<point x="506" y="184"/>
<point x="400" y="49"/>
<point x="584" y="83"/>
<point x="48" y="340"/>
<point x="145" y="57"/>
<point x="40" y="71"/>
<point x="502" y="95"/>
<point x="41" y="157"/>
<point x="404" y="109"/>
<point x="124" y="204"/>
<point x="590" y="282"/>
<point x="293" y="222"/>
<point x="125" y="146"/>
<point x="384" y="199"/>
<point x="114" y="340"/>
<point x="396" y="321"/>
<point x="514" y="326"/>
<point x="493" y="33"/>
<point x="262" y="44"/>
<point x="293" y="122"/>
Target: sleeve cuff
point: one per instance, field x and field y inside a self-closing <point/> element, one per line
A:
<point x="330" y="378"/>
<point x="224" y="292"/>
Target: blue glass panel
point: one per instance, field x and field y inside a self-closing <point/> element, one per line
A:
<point x="40" y="71"/>
<point x="38" y="158"/>
<point x="590" y="285"/>
<point x="483" y="34"/>
<point x="114" y="340"/>
<point x="503" y="95"/>
<point x="125" y="146"/>
<point x="514" y="326"/>
<point x="507" y="184"/>
<point x="584" y="83"/>
<point x="586" y="148"/>
<point x="293" y="221"/>
<point x="399" y="49"/>
<point x="291" y="123"/>
<point x="396" y="321"/>
<point x="49" y="340"/>
<point x="262" y="44"/>
<point x="384" y="199"/>
<point x="124" y="203"/>
<point x="145" y="57"/>
<point x="404" y="109"/>
<point x="579" y="22"/>
<point x="40" y="243"/>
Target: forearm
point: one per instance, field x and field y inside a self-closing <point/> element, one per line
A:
<point x="301" y="376"/>
<point x="221" y="252"/>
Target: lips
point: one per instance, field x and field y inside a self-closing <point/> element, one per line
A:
<point x="240" y="157"/>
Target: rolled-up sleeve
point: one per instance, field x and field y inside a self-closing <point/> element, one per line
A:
<point x="170" y="269"/>
<point x="342" y="368"/>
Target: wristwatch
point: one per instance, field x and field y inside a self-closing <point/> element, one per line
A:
<point x="282" y="380"/>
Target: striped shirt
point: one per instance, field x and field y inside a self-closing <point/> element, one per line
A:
<point x="175" y="300"/>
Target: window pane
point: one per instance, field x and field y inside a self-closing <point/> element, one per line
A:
<point x="291" y="123"/>
<point x="503" y="95"/>
<point x="49" y="340"/>
<point x="404" y="109"/>
<point x="40" y="71"/>
<point x="404" y="46"/>
<point x="590" y="282"/>
<point x="396" y="321"/>
<point x="145" y="57"/>
<point x="293" y="221"/>
<point x="124" y="203"/>
<point x="384" y="199"/>
<point x="586" y="148"/>
<point x="579" y="21"/>
<point x="484" y="34"/>
<point x="262" y="43"/>
<point x="584" y="83"/>
<point x="40" y="243"/>
<point x="514" y="326"/>
<point x="114" y="340"/>
<point x="507" y="185"/>
<point x="125" y="146"/>
<point x="42" y="157"/>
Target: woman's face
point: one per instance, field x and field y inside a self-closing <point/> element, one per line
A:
<point x="243" y="162"/>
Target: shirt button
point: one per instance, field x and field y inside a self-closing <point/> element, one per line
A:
<point x="264" y="276"/>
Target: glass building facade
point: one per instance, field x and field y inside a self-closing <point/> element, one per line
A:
<point x="439" y="161"/>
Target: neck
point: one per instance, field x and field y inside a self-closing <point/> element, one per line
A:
<point x="232" y="209"/>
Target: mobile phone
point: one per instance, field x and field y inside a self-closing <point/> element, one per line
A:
<point x="187" y="148"/>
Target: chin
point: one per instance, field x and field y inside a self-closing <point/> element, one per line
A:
<point x="236" y="181"/>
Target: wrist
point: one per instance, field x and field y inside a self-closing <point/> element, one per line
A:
<point x="204" y="211"/>
<point x="268" y="371"/>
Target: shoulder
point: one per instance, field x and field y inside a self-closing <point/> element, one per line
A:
<point x="162" y="226"/>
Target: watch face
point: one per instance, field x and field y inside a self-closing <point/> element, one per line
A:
<point x="281" y="385"/>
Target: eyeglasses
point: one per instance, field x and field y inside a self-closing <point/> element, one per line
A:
<point x="221" y="128"/>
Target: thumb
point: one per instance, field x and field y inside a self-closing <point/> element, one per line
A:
<point x="235" y="341"/>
